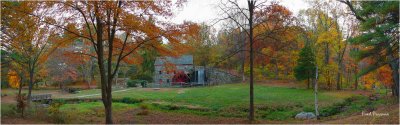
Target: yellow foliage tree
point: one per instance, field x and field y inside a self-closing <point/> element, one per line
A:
<point x="13" y="79"/>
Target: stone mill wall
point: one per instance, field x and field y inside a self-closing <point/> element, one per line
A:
<point x="217" y="76"/>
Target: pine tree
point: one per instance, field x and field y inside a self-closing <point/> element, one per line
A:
<point x="305" y="68"/>
<point x="379" y="21"/>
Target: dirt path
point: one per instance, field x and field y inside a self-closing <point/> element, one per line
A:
<point x="90" y="95"/>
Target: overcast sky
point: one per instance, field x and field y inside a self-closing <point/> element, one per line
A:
<point x="207" y="10"/>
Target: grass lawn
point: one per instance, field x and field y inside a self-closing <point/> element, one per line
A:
<point x="216" y="97"/>
<point x="223" y="101"/>
<point x="229" y="100"/>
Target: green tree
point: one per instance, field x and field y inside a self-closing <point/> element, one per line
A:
<point x="379" y="24"/>
<point x="305" y="68"/>
<point x="146" y="68"/>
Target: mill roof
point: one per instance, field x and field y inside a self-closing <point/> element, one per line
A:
<point x="181" y="60"/>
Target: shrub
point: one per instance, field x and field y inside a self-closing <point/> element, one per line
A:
<point x="40" y="113"/>
<point x="21" y="103"/>
<point x="144" y="109"/>
<point x="332" y="110"/>
<point x="144" y="106"/>
<point x="143" y="83"/>
<point x="144" y="76"/>
<point x="279" y="115"/>
<point x="132" y="83"/>
<point x="55" y="113"/>
<point x="335" y="108"/>
<point x="136" y="82"/>
<point x="351" y="99"/>
<point x="369" y="106"/>
<point x="128" y="100"/>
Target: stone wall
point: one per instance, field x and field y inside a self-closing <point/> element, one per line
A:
<point x="217" y="76"/>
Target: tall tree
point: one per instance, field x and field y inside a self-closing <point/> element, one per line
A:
<point x="306" y="65"/>
<point x="232" y="10"/>
<point x="62" y="69"/>
<point x="248" y="13"/>
<point x="251" y="4"/>
<point x="202" y="45"/>
<point x="323" y="31"/>
<point x="275" y="39"/>
<point x="26" y="37"/>
<point x="101" y="21"/>
<point x="379" y="22"/>
<point x="262" y="25"/>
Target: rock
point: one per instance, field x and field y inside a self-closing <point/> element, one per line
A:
<point x="305" y="115"/>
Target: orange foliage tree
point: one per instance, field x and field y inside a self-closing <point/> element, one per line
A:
<point x="276" y="39"/>
<point x="26" y="37"/>
<point x="100" y="22"/>
<point x="384" y="75"/>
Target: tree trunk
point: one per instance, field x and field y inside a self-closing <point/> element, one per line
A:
<point x="356" y="78"/>
<point x="243" y="61"/>
<point x="89" y="81"/>
<point x="394" y="65"/>
<point x="348" y="76"/>
<point x="31" y="71"/>
<point x="108" y="109"/>
<point x="276" y="71"/>
<point x="338" y="87"/>
<point x="105" y="93"/>
<point x="341" y="82"/>
<point x="326" y="78"/>
<point x="286" y="72"/>
<point x="91" y="74"/>
<point x="308" y="83"/>
<point x="327" y="54"/>
<point x="356" y="84"/>
<point x="109" y="100"/>
<point x="243" y="76"/>
<point x="251" y="4"/>
<point x="316" y="93"/>
<point x="85" y="74"/>
<point x="20" y="86"/>
<point x="104" y="79"/>
<point x="116" y="78"/>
